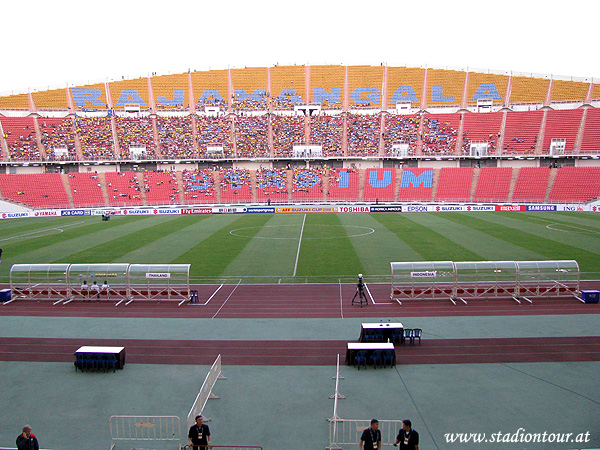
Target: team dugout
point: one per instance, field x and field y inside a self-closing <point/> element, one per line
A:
<point x="484" y="279"/>
<point x="63" y="283"/>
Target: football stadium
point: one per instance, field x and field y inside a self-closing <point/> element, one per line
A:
<point x="294" y="250"/>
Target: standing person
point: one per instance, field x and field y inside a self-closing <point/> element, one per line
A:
<point x="0" y="255"/>
<point x="27" y="440"/>
<point x="199" y="435"/>
<point x="371" y="437"/>
<point x="407" y="437"/>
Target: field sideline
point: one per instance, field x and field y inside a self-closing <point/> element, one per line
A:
<point x="299" y="248"/>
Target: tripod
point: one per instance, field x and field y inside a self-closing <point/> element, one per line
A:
<point x="360" y="293"/>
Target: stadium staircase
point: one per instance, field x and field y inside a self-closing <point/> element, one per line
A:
<point x="67" y="186"/>
<point x="434" y="183"/>
<point x="140" y="177"/>
<point x="179" y="178"/>
<point x="474" y="181"/>
<point x="551" y="179"/>
<point x="513" y="183"/>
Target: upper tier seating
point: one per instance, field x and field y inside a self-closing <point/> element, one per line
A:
<point x="19" y="133"/>
<point x="214" y="131"/>
<point x="199" y="186"/>
<point x="135" y="132"/>
<point x="95" y="134"/>
<point x="123" y="188"/>
<point x="287" y="132"/>
<point x="161" y="188"/>
<point x="521" y="132"/>
<point x="575" y="184"/>
<point x="454" y="184"/>
<point x="86" y="189"/>
<point x="532" y="183"/>
<point x="562" y="124"/>
<point x="38" y="190"/>
<point x="401" y="129"/>
<point x="236" y="186"/>
<point x="271" y="185"/>
<point x="343" y="185"/>
<point x="493" y="184"/>
<point x="307" y="185"/>
<point x="416" y="185"/>
<point x="252" y="136"/>
<point x="380" y="185"/>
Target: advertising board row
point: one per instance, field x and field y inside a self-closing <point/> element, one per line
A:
<point x="299" y="209"/>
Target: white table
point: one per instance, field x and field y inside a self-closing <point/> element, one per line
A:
<point x="119" y="352"/>
<point x="387" y="327"/>
<point x="370" y="347"/>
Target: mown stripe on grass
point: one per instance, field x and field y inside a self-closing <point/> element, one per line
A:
<point x="114" y="250"/>
<point x="327" y="259"/>
<point x="425" y="241"/>
<point x="481" y="244"/>
<point x="542" y="242"/>
<point x="211" y="256"/>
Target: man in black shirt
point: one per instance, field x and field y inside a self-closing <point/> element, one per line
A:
<point x="407" y="437"/>
<point x="27" y="440"/>
<point x="199" y="435"/>
<point x="371" y="437"/>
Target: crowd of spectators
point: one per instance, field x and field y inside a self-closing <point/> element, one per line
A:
<point x="161" y="188"/>
<point x="307" y="184"/>
<point x="214" y="131"/>
<point x="363" y="134"/>
<point x="438" y="137"/>
<point x="211" y="102"/>
<point x="95" y="135"/>
<point x="248" y="104"/>
<point x="252" y="136"/>
<point x="176" y="137"/>
<point x="327" y="131"/>
<point x="287" y="132"/>
<point x="199" y="186"/>
<point x="287" y="100"/>
<point x="235" y="184"/>
<point x="135" y="132"/>
<point x="58" y="133"/>
<point x="20" y="138"/>
<point x="271" y="184"/>
<point x="123" y="188"/>
<point x="401" y="129"/>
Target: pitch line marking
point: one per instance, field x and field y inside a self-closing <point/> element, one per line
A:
<point x="227" y="299"/>
<point x="43" y="230"/>
<point x="550" y="227"/>
<point x="299" y="244"/>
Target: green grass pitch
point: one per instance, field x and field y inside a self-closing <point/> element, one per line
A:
<point x="298" y="248"/>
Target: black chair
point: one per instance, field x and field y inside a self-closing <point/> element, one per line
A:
<point x="108" y="361"/>
<point x="79" y="362"/>
<point x="376" y="357"/>
<point x="360" y="358"/>
<point x="407" y="335"/>
<point x="387" y="356"/>
<point x="417" y="332"/>
<point x="397" y="335"/>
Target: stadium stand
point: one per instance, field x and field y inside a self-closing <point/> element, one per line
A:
<point x="130" y="92"/>
<point x="569" y="91"/>
<point x="325" y="86"/>
<point x="404" y="85"/>
<point x="161" y="188"/>
<point x="288" y="86"/>
<point x="440" y="132"/>
<point x="486" y="86"/>
<point x="95" y="134"/>
<point x="236" y="186"/>
<point x="531" y="184"/>
<point x="176" y="137"/>
<point x="171" y="92"/>
<point x="214" y="132"/>
<point x="493" y="184"/>
<point x="123" y="188"/>
<point x="521" y="132"/>
<point x="86" y="189"/>
<point x="271" y="185"/>
<point x="401" y="129"/>
<point x="380" y="185"/>
<point x="210" y="89"/>
<point x="250" y="89"/>
<point x="528" y="90"/>
<point x="481" y="127"/>
<point x="38" y="190"/>
<point x="135" y="132"/>
<point x="416" y="185"/>
<point x="50" y="100"/>
<point x="591" y="135"/>
<point x="364" y="82"/>
<point x="445" y="87"/>
<point x="199" y="186"/>
<point x="562" y="124"/>
<point x="19" y="134"/>
<point x="575" y="184"/>
<point x="327" y="131"/>
<point x="363" y="134"/>
<point x="343" y="184"/>
<point x="56" y="135"/>
<point x="287" y="132"/>
<point x="307" y="185"/>
<point x="252" y="136"/>
<point x="454" y="184"/>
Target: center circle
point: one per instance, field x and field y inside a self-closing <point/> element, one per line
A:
<point x="280" y="232"/>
